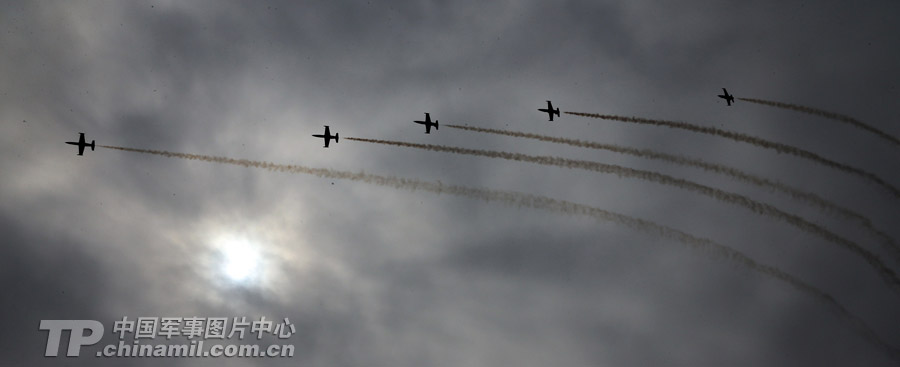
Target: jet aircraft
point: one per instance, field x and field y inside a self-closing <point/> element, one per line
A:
<point x="81" y="144"/>
<point x="549" y="110"/>
<point x="428" y="124"/>
<point x="327" y="136"/>
<point x="728" y="98"/>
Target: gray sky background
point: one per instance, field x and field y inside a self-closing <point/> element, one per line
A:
<point x="374" y="276"/>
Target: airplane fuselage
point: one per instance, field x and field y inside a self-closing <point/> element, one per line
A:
<point x="428" y="123"/>
<point x="549" y="110"/>
<point x="729" y="99"/>
<point x="327" y="136"/>
<point x="81" y="143"/>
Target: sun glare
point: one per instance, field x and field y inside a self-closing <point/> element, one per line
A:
<point x="240" y="261"/>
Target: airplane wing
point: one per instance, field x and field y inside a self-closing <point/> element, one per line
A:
<point x="327" y="131"/>
<point x="81" y="148"/>
<point x="81" y="139"/>
<point x="427" y="117"/>
<point x="725" y="91"/>
<point x="549" y="105"/>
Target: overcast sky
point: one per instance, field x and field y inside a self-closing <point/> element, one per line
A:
<point x="376" y="276"/>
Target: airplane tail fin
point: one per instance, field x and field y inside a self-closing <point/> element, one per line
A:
<point x="556" y="111"/>
<point x="92" y="145"/>
<point x="336" y="137"/>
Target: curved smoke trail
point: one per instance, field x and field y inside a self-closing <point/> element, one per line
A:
<point x="728" y="197"/>
<point x="830" y="115"/>
<point x="517" y="199"/>
<point x="795" y="193"/>
<point x="744" y="138"/>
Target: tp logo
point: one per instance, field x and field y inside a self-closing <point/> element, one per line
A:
<point x="76" y="337"/>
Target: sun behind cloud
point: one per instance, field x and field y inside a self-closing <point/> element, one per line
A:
<point x="239" y="260"/>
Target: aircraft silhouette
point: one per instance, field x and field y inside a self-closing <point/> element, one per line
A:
<point x="327" y="136"/>
<point x="728" y="98"/>
<point x="81" y="144"/>
<point x="428" y="124"/>
<point x="549" y="110"/>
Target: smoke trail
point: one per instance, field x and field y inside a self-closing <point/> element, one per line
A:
<point x="795" y="193"/>
<point x="518" y="199"/>
<point x="762" y="143"/>
<point x="831" y="115"/>
<point x="755" y="206"/>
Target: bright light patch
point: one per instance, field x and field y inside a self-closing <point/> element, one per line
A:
<point x="240" y="259"/>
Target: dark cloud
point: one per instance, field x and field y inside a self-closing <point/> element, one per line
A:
<point x="375" y="276"/>
<point x="44" y="277"/>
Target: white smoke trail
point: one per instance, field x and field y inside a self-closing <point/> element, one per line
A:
<point x="830" y="115"/>
<point x="810" y="198"/>
<point x="708" y="246"/>
<point x="759" y="142"/>
<point x="764" y="209"/>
